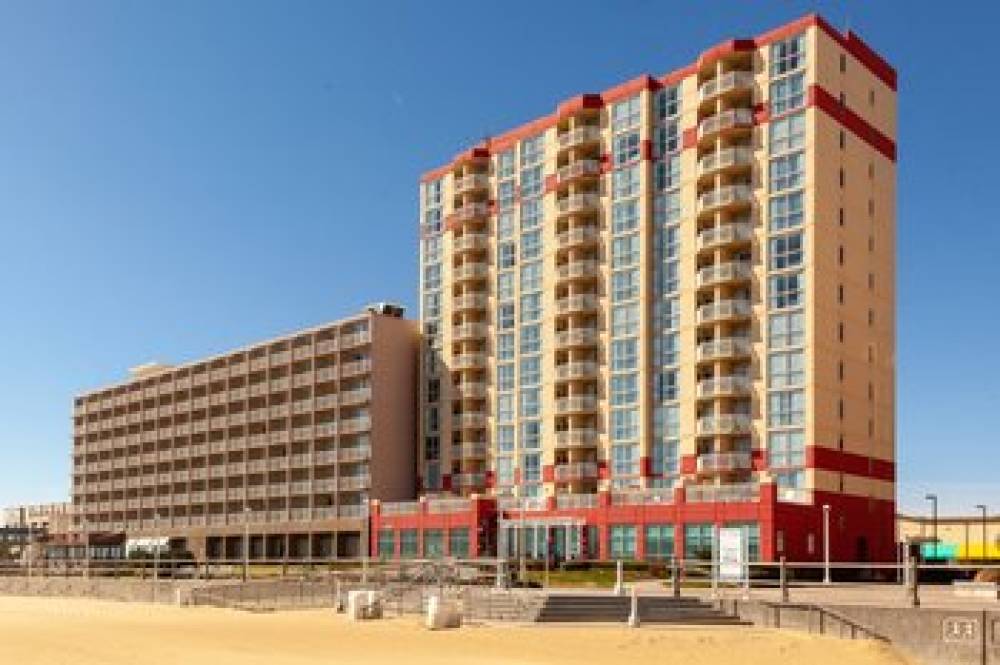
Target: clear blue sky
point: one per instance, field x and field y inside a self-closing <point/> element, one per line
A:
<point x="179" y="178"/>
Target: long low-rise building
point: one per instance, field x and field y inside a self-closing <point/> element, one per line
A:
<point x="952" y="538"/>
<point x="285" y="440"/>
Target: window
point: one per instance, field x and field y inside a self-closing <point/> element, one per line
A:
<point x="505" y="225"/>
<point x="505" y="408"/>
<point x="665" y="347"/>
<point x="531" y="339"/>
<point x="784" y="330"/>
<point x="751" y="536"/>
<point x="529" y="402"/>
<point x="433" y="480"/>
<point x="666" y="138"/>
<point x="668" y="102"/>
<point x="531" y="245"/>
<point x="432" y="305"/>
<point x="659" y="541"/>
<point x="667" y="242"/>
<point x="786" y="172"/>
<point x="786" y="449"/>
<point x="787" y="94"/>
<point x="624" y="355"/>
<point x="785" y="290"/>
<point x="790" y="480"/>
<point x="625" y="251"/>
<point x="531" y="435"/>
<point x="531" y="370"/>
<point x="622" y="544"/>
<point x="505" y="316"/>
<point x="785" y="369"/>
<point x="624" y="389"/>
<point x="531" y="182"/>
<point x="626" y="148"/>
<point x="505" y="470"/>
<point x="433" y="390"/>
<point x="625" y="320"/>
<point x="667" y="313"/>
<point x="698" y="541"/>
<point x="788" y="55"/>
<point x="505" y="164"/>
<point x="786" y="211"/>
<point x="624" y="424"/>
<point x="666" y="277"/>
<point x="786" y="251"/>
<point x="626" y="114"/>
<point x="408" y="548"/>
<point x="505" y="194"/>
<point x="786" y="408"/>
<point x="625" y="216"/>
<point x="433" y="543"/>
<point x="432" y="220"/>
<point x="458" y="543"/>
<point x="663" y="460"/>
<point x="531" y="214"/>
<point x="505" y="285"/>
<point x="625" y="182"/>
<point x="506" y="255"/>
<point x="386" y="543"/>
<point x="432" y="249"/>
<point x="531" y="465"/>
<point x="505" y="440"/>
<point x="665" y="386"/>
<point x="531" y="307"/>
<point x="788" y="133"/>
<point x="667" y="207"/>
<point x="531" y="277"/>
<point x="668" y="172"/>
<point x="505" y="377"/>
<point x="432" y="276"/>
<point x="625" y="285"/>
<point x="624" y="460"/>
<point x="432" y="193"/>
<point x="532" y="150"/>
<point x="432" y="423"/>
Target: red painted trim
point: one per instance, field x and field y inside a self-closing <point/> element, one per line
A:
<point x="689" y="464"/>
<point x="646" y="149"/>
<point x="689" y="138"/>
<point x="849" y="41"/>
<point x="551" y="183"/>
<point x="758" y="460"/>
<point x="548" y="473"/>
<point x="832" y="459"/>
<point x="602" y="470"/>
<point x="830" y="105"/>
<point x="761" y="113"/>
<point x="645" y="467"/>
<point x="446" y="482"/>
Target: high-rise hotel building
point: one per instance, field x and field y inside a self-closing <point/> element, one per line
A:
<point x="279" y="445"/>
<point x="669" y="307"/>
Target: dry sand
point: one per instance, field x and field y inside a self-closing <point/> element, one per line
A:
<point x="87" y="632"/>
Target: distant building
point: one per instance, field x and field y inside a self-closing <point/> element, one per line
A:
<point x="39" y="516"/>
<point x="959" y="538"/>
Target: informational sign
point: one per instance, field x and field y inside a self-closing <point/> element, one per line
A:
<point x="731" y="555"/>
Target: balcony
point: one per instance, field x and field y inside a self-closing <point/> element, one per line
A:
<point x="469" y="480"/>
<point x="470" y="272"/>
<point x="582" y="168"/>
<point x="355" y="482"/>
<point x="471" y="390"/>
<point x="468" y="420"/>
<point x="722" y="273"/>
<point x="471" y="182"/>
<point x="581" y="136"/>
<point x="730" y="423"/>
<point x="578" y="404"/>
<point x="472" y="301"/>
<point x="576" y="370"/>
<point x="585" y="269"/>
<point x="356" y="367"/>
<point x="726" y="347"/>
<point x="578" y="237"/>
<point x="470" y="242"/>
<point x="650" y="497"/>
<point x="354" y="425"/>
<point x="711" y="463"/>
<point x="577" y="337"/>
<point x="724" y="160"/>
<point x="727" y="234"/>
<point x="731" y="493"/>
<point x="576" y="501"/>
<point x="724" y="385"/>
<point x="576" y="438"/>
<point x="470" y="331"/>
<point x="575" y="471"/>
<point x="578" y="203"/>
<point x="469" y="212"/>
<point x="357" y="396"/>
<point x="725" y="197"/>
<point x="728" y="82"/>
<point x="586" y="302"/>
<point x="725" y="310"/>
<point x="469" y="361"/>
<point x="470" y="449"/>
<point x="726" y="121"/>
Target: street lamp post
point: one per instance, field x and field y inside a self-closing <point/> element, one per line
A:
<point x="982" y="507"/>
<point x="934" y="521"/>
<point x="521" y="542"/>
<point x="826" y="544"/>
<point x="246" y="542"/>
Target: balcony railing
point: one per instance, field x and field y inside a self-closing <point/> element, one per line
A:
<point x="469" y="361"/>
<point x="470" y="301"/>
<point x="735" y="80"/>
<point x="586" y="134"/>
<point x="577" y="337"/>
<point x="575" y="471"/>
<point x="579" y="404"/>
<point x="579" y="269"/>
<point x="470" y="211"/>
<point x="470" y="242"/>
<point x="575" y="501"/>
<point x="574" y="203"/>
<point x="471" y="390"/>
<point x="730" y="271"/>
<point x="727" y="347"/>
<point x="739" y="308"/>
<point x="578" y="169"/>
<point x="731" y="119"/>
<point x="724" y="385"/>
<point x="471" y="480"/>
<point x="470" y="271"/>
<point x="725" y="159"/>
<point x="721" y="462"/>
<point x="584" y="302"/>
<point x="576" y="438"/>
<point x="577" y="370"/>
<point x="583" y="235"/>
<point x="470" y="331"/>
<point x="730" y="493"/>
<point x="473" y="449"/>
<point x="725" y="196"/>
<point x="471" y="182"/>
<point x="725" y="234"/>
<point x="469" y="420"/>
<point x="650" y="497"/>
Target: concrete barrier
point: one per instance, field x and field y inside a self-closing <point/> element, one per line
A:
<point x="363" y="605"/>
<point x="986" y="590"/>
<point x="442" y="614"/>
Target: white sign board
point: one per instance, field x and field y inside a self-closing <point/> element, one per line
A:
<point x="731" y="555"/>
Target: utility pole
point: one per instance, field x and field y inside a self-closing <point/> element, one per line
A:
<point x="826" y="544"/>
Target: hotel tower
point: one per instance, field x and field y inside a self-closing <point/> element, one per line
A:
<point x="665" y="308"/>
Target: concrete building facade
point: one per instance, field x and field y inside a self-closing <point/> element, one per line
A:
<point x="286" y="440"/>
<point x="669" y="307"/>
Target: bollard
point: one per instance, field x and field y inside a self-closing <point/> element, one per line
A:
<point x="675" y="577"/>
<point x="633" y="617"/>
<point x="914" y="583"/>
<point x="619" y="578"/>
<point x="783" y="580"/>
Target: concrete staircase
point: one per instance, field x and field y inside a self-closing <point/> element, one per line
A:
<point x="606" y="608"/>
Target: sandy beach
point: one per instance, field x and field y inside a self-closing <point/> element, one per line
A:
<point x="36" y="631"/>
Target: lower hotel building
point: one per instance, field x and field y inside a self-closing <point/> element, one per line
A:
<point x="666" y="308"/>
<point x="282" y="443"/>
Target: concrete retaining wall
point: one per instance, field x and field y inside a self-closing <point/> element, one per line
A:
<point x="142" y="591"/>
